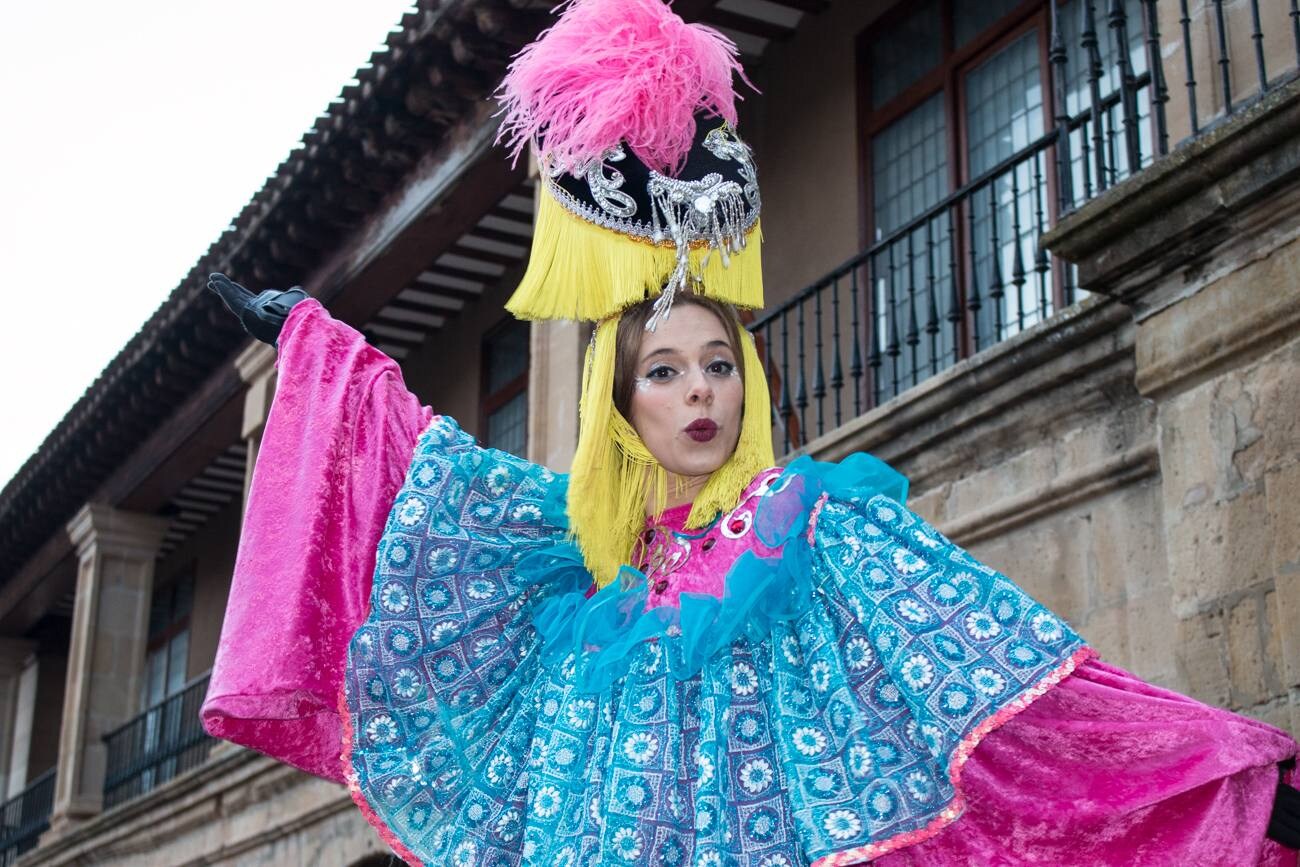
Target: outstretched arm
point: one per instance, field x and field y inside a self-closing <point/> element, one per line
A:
<point x="335" y="450"/>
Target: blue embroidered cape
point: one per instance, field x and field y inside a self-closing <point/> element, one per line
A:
<point x="817" y="713"/>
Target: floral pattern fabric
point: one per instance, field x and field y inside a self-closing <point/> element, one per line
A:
<point x="833" y="732"/>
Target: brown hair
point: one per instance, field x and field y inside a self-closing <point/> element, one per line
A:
<point x="631" y="330"/>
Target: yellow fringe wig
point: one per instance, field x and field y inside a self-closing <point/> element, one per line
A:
<point x="579" y="270"/>
<point x="614" y="475"/>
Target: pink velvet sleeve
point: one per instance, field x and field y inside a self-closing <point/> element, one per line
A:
<point x="1106" y="769"/>
<point x="337" y="444"/>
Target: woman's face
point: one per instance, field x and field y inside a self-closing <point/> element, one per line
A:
<point x="687" y="396"/>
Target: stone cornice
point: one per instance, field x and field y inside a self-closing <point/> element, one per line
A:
<point x="1123" y="469"/>
<point x="1175" y="212"/>
<point x="1092" y="334"/>
<point x="219" y="788"/>
<point x="255" y="361"/>
<point x="102" y="529"/>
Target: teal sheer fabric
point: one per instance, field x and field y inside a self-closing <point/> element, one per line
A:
<point x="604" y="630"/>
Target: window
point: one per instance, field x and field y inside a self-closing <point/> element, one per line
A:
<point x="166" y="663"/>
<point x="505" y="387"/>
<point x="960" y="179"/>
<point x="168" y="653"/>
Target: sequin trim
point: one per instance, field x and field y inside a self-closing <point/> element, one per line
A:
<point x="963" y="752"/>
<point x="358" y="797"/>
<point x="812" y="517"/>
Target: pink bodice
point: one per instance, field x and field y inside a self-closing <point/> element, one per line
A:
<point x="676" y="560"/>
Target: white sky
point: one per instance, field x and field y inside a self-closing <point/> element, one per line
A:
<point x="131" y="134"/>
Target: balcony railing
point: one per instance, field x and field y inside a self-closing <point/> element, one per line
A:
<point x="164" y="741"/>
<point x="24" y="817"/>
<point x="969" y="272"/>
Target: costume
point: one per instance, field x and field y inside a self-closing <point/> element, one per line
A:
<point x="469" y="555"/>
<point x="793" y="669"/>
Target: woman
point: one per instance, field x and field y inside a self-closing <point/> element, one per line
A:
<point x="678" y="655"/>
<point x="1051" y="780"/>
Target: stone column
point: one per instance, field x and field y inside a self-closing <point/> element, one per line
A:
<point x="14" y="655"/>
<point x="554" y="385"/>
<point x="554" y="377"/>
<point x="256" y="366"/>
<point x="110" y="624"/>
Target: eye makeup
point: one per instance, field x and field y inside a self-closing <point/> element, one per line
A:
<point x="662" y="374"/>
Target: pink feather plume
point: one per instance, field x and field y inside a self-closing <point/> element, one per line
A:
<point x="611" y="71"/>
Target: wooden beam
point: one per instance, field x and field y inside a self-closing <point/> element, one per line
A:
<point x="463" y="273"/>
<point x="745" y="24"/>
<point x="693" y="10"/>
<point x="502" y="259"/>
<point x="810" y="7"/>
<point x="38" y="573"/>
<point x="512" y="216"/>
<point x="401" y="304"/>
<point x="412" y="335"/>
<point x="401" y="313"/>
<point x="487" y="234"/>
<point x="448" y="76"/>
<point x="465" y="296"/>
<point x="182" y="447"/>
<point x="445" y="196"/>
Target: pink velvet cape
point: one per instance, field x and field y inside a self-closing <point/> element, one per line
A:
<point x="336" y="446"/>
<point x="1101" y="769"/>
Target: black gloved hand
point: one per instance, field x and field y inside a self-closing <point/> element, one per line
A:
<point x="1284" y="824"/>
<point x="261" y="315"/>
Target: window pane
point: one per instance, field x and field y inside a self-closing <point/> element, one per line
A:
<point x="160" y="612"/>
<point x="913" y="312"/>
<point x="913" y="288"/>
<point x="183" y="600"/>
<point x="905" y="52"/>
<point x="1078" y="95"/>
<point x="1004" y="104"/>
<point x="1004" y="115"/>
<point x="909" y="166"/>
<point x="155" y="683"/>
<point x="178" y="657"/>
<point x="507" y="354"/>
<point x="970" y="19"/>
<point x="508" y="426"/>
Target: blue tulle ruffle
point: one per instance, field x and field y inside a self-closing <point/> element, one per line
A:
<point x="603" y="630"/>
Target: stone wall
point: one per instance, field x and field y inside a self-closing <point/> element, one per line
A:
<point x="1205" y="250"/>
<point x="240" y="809"/>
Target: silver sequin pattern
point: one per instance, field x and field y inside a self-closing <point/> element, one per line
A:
<point x="710" y="209"/>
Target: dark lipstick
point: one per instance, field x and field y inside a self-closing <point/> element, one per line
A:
<point x="702" y="430"/>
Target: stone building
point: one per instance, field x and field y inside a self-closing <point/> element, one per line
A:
<point x="1043" y="257"/>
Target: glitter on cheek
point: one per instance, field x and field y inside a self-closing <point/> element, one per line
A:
<point x="642" y="384"/>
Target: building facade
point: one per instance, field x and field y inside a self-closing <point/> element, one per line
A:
<point x="1041" y="256"/>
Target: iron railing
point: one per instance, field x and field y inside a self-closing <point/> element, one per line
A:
<point x="24" y="817"/>
<point x="969" y="271"/>
<point x="164" y="741"/>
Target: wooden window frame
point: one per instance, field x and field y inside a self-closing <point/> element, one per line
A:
<point x="178" y="625"/>
<point x="490" y="402"/>
<point x="173" y="629"/>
